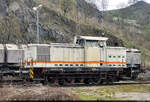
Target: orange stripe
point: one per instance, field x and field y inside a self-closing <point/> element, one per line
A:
<point x="78" y="62"/>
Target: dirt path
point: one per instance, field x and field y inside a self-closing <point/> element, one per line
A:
<point x="36" y="93"/>
<point x="134" y="96"/>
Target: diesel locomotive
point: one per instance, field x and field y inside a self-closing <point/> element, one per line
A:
<point x="87" y="60"/>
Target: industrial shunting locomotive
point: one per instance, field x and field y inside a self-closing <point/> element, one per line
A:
<point x="87" y="60"/>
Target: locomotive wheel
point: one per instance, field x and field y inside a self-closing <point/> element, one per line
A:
<point x="104" y="82"/>
<point x="81" y="80"/>
<point x="101" y="82"/>
<point x="44" y="82"/>
<point x="87" y="81"/>
<point x="96" y="81"/>
<point x="61" y="82"/>
<point x="109" y="82"/>
<point x="69" y="81"/>
<point x="51" y="80"/>
<point x="55" y="82"/>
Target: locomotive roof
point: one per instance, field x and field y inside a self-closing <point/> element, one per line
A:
<point x="93" y="38"/>
<point x="132" y="50"/>
<point x="14" y="46"/>
<point x="37" y="45"/>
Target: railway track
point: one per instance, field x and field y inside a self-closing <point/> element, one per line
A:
<point x="19" y="83"/>
<point x="37" y="83"/>
<point x="116" y="83"/>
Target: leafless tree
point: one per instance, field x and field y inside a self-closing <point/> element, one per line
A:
<point x="104" y="4"/>
<point x="121" y="5"/>
<point x="132" y="1"/>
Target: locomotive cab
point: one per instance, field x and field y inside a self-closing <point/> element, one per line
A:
<point x="98" y="54"/>
<point x="94" y="50"/>
<point x="88" y="41"/>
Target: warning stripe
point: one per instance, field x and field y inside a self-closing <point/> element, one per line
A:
<point x="31" y="74"/>
<point x="76" y="62"/>
<point x="31" y="71"/>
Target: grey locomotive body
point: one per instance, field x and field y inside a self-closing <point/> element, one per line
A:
<point x="134" y="62"/>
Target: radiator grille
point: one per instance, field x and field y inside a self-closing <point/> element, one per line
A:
<point x="43" y="53"/>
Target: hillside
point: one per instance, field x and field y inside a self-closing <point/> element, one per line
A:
<point x="60" y="20"/>
<point x="132" y="25"/>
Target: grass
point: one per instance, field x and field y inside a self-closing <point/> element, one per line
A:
<point x="109" y="92"/>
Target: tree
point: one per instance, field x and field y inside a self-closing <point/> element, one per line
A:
<point x="66" y="6"/>
<point x="130" y="2"/>
<point x="10" y="30"/>
<point x="104" y="4"/>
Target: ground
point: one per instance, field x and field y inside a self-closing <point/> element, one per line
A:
<point x="36" y="92"/>
<point x="114" y="92"/>
<point x="102" y="92"/>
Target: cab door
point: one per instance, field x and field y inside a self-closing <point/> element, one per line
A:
<point x="102" y="51"/>
<point x="92" y="55"/>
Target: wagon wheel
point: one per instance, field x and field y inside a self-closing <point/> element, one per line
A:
<point x="24" y="81"/>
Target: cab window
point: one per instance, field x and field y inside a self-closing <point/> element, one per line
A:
<point x="80" y="42"/>
<point x="101" y="44"/>
<point x="91" y="43"/>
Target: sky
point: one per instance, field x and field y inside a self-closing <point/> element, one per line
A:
<point x="112" y="4"/>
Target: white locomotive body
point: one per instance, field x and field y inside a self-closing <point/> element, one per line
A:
<point x="88" y="52"/>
